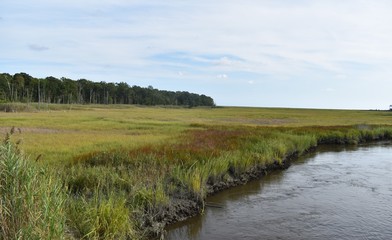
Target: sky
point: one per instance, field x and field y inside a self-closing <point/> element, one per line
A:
<point x="263" y="53"/>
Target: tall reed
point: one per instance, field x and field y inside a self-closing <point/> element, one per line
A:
<point x="31" y="201"/>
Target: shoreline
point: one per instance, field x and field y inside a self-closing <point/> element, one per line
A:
<point x="182" y="208"/>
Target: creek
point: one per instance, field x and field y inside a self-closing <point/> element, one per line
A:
<point x="333" y="193"/>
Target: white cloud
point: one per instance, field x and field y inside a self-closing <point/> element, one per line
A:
<point x="224" y="61"/>
<point x="221" y="76"/>
<point x="275" y="41"/>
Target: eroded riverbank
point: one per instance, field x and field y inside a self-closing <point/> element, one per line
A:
<point x="338" y="193"/>
<point x="186" y="206"/>
<point x="205" y="177"/>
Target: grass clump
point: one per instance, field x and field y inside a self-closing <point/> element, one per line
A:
<point x="31" y="201"/>
<point x="114" y="187"/>
<point x="100" y="217"/>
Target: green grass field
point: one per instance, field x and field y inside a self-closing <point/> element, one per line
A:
<point x="121" y="165"/>
<point x="59" y="135"/>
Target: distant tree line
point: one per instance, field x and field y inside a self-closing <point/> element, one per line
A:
<point x="22" y="87"/>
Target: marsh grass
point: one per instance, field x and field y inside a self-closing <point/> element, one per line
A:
<point x="60" y="132"/>
<point x="100" y="217"/>
<point x="152" y="175"/>
<point x="122" y="166"/>
<point x="31" y="201"/>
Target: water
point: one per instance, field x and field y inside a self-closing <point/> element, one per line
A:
<point x="334" y="193"/>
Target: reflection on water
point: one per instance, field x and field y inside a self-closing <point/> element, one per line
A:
<point x="334" y="193"/>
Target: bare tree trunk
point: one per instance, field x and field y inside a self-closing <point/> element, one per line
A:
<point x="39" y="96"/>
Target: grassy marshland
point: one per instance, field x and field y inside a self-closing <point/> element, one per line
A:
<point x="125" y="169"/>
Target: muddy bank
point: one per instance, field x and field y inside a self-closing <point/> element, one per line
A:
<point x="343" y="186"/>
<point x="255" y="172"/>
<point x="186" y="205"/>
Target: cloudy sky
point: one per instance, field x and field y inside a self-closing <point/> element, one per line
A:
<point x="269" y="53"/>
